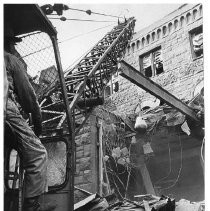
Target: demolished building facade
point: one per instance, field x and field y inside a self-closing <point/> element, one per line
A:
<point x="169" y="52"/>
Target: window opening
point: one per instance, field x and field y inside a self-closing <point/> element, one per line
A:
<point x="112" y="86"/>
<point x="151" y="64"/>
<point x="197" y="42"/>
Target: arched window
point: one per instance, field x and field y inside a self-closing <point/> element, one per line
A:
<point x="148" y="39"/>
<point x="170" y="25"/>
<point x="153" y="36"/>
<point x="182" y="21"/>
<point x="138" y="43"/>
<point x="143" y="41"/>
<point x="188" y="18"/>
<point x="129" y="48"/>
<point x="195" y="14"/>
<point x="158" y="33"/>
<point x="176" y="23"/>
<point x="164" y="30"/>
<point x="201" y="10"/>
<point x="133" y="46"/>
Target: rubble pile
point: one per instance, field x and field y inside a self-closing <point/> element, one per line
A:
<point x="185" y="205"/>
<point x="146" y="202"/>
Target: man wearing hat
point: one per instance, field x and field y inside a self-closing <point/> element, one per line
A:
<point x="29" y="146"/>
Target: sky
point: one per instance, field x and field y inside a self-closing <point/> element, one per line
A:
<point x="82" y="36"/>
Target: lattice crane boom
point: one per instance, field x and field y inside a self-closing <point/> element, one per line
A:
<point x="85" y="82"/>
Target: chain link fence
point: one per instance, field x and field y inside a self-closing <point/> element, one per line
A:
<point x="36" y="53"/>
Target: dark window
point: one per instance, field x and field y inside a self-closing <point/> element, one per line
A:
<point x="151" y="64"/>
<point x="196" y="37"/>
<point x="112" y="86"/>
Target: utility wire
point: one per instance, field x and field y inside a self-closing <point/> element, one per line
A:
<point x="75" y="19"/>
<point x="50" y="46"/>
<point x="89" y="12"/>
<point x="68" y="69"/>
<point x="85" y="33"/>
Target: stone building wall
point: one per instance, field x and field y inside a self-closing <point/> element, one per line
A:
<point x="87" y="147"/>
<point x="83" y="174"/>
<point x="181" y="74"/>
<point x="181" y="71"/>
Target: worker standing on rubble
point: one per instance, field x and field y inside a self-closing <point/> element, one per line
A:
<point x="31" y="150"/>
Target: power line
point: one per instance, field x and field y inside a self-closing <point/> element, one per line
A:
<point x="50" y="46"/>
<point x="68" y="68"/>
<point x="89" y="12"/>
<point x="75" y="19"/>
<point x="84" y="34"/>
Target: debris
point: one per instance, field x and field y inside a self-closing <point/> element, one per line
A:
<point x="185" y="128"/>
<point x="92" y="203"/>
<point x="140" y="125"/>
<point x="126" y="205"/>
<point x="147" y="148"/>
<point x="155" y="203"/>
<point x="147" y="202"/>
<point x="146" y="206"/>
<point x="185" y="205"/>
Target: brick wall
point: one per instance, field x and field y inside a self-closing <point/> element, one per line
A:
<point x="181" y="71"/>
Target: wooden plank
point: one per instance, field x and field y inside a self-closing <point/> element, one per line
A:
<point x="146" y="179"/>
<point x="133" y="75"/>
<point x="94" y="154"/>
<point x="142" y="166"/>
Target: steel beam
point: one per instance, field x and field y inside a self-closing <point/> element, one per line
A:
<point x="133" y="75"/>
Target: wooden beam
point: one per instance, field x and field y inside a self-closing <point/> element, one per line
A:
<point x="100" y="124"/>
<point x="142" y="166"/>
<point x="94" y="154"/>
<point x="133" y="75"/>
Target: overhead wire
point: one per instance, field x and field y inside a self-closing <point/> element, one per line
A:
<point x="68" y="68"/>
<point x="89" y="12"/>
<point x="84" y="34"/>
<point x="76" y="19"/>
<point x="50" y="46"/>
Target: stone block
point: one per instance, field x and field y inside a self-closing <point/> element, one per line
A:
<point x="78" y="180"/>
<point x="79" y="154"/>
<point x="87" y="177"/>
<point x="87" y="150"/>
<point x="84" y="164"/>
